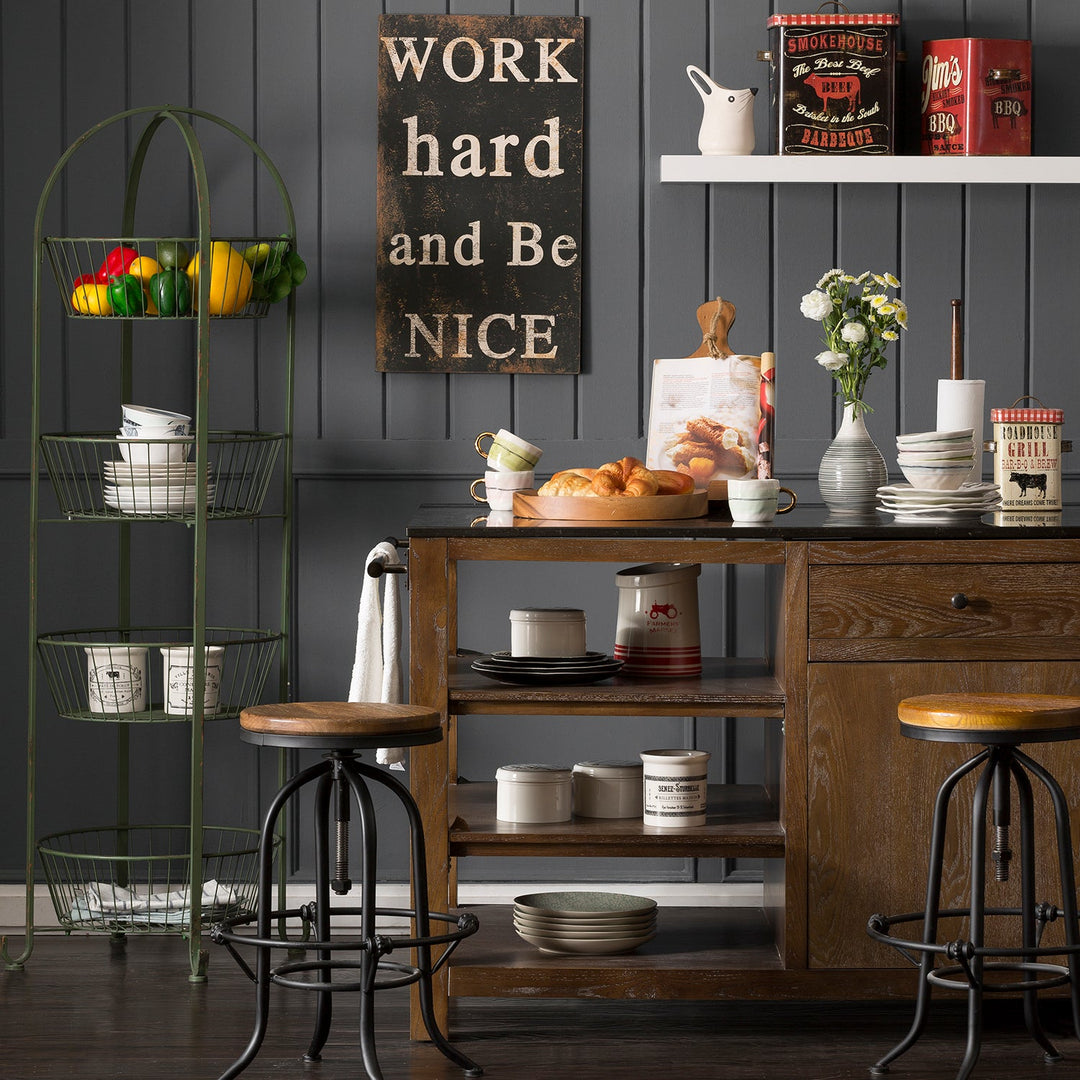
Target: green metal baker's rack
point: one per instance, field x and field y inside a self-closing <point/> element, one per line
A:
<point x="125" y="878"/>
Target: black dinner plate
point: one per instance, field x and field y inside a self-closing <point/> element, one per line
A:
<point x="546" y="675"/>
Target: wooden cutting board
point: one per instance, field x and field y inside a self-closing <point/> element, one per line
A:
<point x="613" y="508"/>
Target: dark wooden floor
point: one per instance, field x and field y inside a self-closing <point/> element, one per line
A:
<point x="83" y="1008"/>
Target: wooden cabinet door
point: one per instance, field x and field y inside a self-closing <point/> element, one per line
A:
<point x="871" y="794"/>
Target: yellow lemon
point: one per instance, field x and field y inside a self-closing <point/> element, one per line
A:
<point x="91" y="300"/>
<point x="230" y="279"/>
<point x="144" y="268"/>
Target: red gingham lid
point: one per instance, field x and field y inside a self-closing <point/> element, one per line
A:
<point x="846" y="18"/>
<point x="1027" y="416"/>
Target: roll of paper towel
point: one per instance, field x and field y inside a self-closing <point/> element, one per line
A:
<point x="960" y="405"/>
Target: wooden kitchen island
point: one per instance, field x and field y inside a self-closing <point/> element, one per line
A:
<point x="859" y="615"/>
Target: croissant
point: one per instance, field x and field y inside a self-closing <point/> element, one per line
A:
<point x="568" y="482"/>
<point x="627" y="476"/>
<point x="673" y="482"/>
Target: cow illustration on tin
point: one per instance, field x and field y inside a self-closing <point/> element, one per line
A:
<point x="846" y="89"/>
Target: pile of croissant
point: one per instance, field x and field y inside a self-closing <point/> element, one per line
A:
<point x="627" y="476"/>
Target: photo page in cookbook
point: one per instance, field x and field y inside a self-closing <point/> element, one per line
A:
<point x="711" y="417"/>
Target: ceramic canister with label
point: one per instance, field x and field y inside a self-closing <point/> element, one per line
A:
<point x="657" y="633"/>
<point x="675" y="786"/>
<point x="116" y="679"/>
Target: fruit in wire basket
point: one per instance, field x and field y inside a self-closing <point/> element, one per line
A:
<point x="230" y="279"/>
<point x="91" y="299"/>
<point x="172" y="254"/>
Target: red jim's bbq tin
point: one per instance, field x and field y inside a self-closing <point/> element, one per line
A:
<point x="976" y="96"/>
<point x="832" y="83"/>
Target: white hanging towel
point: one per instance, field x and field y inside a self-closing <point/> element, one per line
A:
<point x="376" y="674"/>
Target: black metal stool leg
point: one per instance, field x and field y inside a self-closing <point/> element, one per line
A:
<point x="930" y="911"/>
<point x="264" y="909"/>
<point x="369" y="957"/>
<point x="423" y="925"/>
<point x="324" y="1008"/>
<point x="1028" y="909"/>
<point x="1068" y="879"/>
<point x="977" y="912"/>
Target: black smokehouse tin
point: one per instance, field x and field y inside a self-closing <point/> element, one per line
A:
<point x="832" y="83"/>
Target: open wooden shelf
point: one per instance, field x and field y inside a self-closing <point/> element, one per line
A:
<point x="742" y="822"/>
<point x="865" y="169"/>
<point x="727" y="687"/>
<point x="701" y="953"/>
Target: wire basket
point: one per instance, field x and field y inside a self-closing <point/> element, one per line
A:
<point x="145" y="674"/>
<point x="135" y="878"/>
<point x="102" y="475"/>
<point x="245" y="275"/>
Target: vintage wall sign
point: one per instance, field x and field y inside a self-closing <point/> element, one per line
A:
<point x="479" y="193"/>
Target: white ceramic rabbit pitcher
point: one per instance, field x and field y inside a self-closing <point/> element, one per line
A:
<point x="727" y="126"/>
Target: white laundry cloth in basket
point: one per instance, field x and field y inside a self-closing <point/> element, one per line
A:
<point x="376" y="674"/>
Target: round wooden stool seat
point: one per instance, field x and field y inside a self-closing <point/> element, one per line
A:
<point x="355" y="725"/>
<point x="992" y="719"/>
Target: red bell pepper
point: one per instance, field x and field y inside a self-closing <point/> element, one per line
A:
<point x="116" y="262"/>
<point x="84" y="279"/>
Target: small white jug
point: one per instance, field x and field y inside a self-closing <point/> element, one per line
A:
<point x="727" y="126"/>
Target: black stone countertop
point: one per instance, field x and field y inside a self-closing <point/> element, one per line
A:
<point x="810" y="523"/>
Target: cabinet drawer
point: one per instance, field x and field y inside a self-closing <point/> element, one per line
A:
<point x="952" y="611"/>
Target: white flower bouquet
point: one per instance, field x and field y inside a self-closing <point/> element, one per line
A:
<point x="860" y="319"/>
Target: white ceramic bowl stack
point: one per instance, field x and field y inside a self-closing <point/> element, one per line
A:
<point x="937" y="460"/>
<point x="154" y="476"/>
<point x="591" y="923"/>
<point x="154" y="436"/>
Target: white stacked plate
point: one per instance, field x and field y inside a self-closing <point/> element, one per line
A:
<point x="928" y="505"/>
<point x="936" y="460"/>
<point x="592" y="923"/>
<point x="547" y="670"/>
<point x="168" y="488"/>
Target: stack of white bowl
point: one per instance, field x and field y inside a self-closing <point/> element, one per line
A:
<point x="594" y="923"/>
<point x="155" y="476"/>
<point x="154" y="436"/>
<point x="936" y="460"/>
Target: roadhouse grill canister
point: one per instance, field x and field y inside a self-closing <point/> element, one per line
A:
<point x="1027" y="450"/>
<point x="832" y="83"/>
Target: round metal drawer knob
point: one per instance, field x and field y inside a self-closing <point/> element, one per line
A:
<point x="959" y="601"/>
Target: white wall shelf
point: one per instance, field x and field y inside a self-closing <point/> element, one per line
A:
<point x="866" y="169"/>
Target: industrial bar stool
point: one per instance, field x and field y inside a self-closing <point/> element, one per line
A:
<point x="1001" y="723"/>
<point x="342" y="730"/>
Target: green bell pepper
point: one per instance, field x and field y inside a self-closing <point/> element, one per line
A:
<point x="126" y="295"/>
<point x="170" y="292"/>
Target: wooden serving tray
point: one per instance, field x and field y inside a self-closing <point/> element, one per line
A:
<point x="611" y="508"/>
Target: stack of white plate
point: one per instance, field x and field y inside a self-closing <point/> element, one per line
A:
<point x="168" y="488"/>
<point x="936" y="460"/>
<point x="594" y="923"/>
<point x="914" y="504"/>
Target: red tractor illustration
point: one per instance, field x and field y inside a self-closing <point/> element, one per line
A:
<point x="669" y="611"/>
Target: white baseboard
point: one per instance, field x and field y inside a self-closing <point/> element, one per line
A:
<point x="13" y="897"/>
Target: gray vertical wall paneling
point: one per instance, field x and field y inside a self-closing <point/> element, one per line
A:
<point x="739" y="225"/>
<point x="340" y="390"/>
<point x="675" y="35"/>
<point x="32" y="43"/>
<point x="91" y="193"/>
